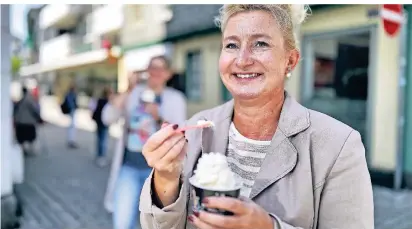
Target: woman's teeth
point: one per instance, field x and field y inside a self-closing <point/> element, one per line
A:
<point x="244" y="76"/>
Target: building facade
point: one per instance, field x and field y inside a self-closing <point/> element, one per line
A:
<point x="76" y="45"/>
<point x="142" y="38"/>
<point x="196" y="49"/>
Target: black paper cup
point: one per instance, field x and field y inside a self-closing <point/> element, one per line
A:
<point x="199" y="193"/>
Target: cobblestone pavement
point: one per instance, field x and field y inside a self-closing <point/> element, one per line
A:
<point x="64" y="189"/>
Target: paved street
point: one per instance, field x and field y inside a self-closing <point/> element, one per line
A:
<point x="64" y="189"/>
<point x="393" y="210"/>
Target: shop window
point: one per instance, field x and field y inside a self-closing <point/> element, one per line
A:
<point x="194" y="76"/>
<point x="336" y="78"/>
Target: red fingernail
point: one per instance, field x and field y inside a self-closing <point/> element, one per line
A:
<point x="190" y="218"/>
<point x="183" y="132"/>
<point x="175" y="126"/>
<point x="205" y="201"/>
<point x="196" y="213"/>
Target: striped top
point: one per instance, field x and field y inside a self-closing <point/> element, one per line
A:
<point x="245" y="157"/>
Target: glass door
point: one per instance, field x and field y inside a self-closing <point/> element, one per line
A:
<point x="336" y="78"/>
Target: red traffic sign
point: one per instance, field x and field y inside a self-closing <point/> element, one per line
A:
<point x="392" y="17"/>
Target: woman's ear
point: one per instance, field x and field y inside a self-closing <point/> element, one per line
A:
<point x="294" y="57"/>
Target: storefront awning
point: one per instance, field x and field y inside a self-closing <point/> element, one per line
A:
<point x="74" y="61"/>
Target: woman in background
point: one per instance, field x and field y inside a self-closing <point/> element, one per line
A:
<point x="144" y="107"/>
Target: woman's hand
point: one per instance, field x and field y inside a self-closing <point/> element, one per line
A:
<point x="247" y="215"/>
<point x="164" y="151"/>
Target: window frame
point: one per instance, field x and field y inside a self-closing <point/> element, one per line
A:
<point x="190" y="72"/>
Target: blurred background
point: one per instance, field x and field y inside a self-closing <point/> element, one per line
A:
<point x="356" y="67"/>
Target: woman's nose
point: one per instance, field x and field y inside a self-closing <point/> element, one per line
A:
<point x="244" y="58"/>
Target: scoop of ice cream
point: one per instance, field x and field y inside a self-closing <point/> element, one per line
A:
<point x="148" y="96"/>
<point x="214" y="172"/>
<point x="205" y="122"/>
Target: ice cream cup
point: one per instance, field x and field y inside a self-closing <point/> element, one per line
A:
<point x="199" y="193"/>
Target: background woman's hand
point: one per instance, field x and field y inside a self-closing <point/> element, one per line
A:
<point x="247" y="215"/>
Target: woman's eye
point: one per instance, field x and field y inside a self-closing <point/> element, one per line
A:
<point x="261" y="44"/>
<point x="231" y="46"/>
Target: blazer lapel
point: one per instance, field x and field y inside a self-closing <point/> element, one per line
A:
<point x="282" y="156"/>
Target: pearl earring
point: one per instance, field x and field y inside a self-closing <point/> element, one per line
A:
<point x="289" y="74"/>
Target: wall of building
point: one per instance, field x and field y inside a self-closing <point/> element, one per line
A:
<point x="385" y="90"/>
<point x="144" y="24"/>
<point x="192" y="18"/>
<point x="6" y="111"/>
<point x="408" y="104"/>
<point x="144" y="27"/>
<point x="209" y="46"/>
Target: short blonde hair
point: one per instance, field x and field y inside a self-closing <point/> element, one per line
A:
<point x="288" y="16"/>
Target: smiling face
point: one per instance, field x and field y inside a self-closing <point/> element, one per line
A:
<point x="254" y="60"/>
<point x="159" y="72"/>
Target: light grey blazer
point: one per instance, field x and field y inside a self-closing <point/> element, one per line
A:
<point x="314" y="175"/>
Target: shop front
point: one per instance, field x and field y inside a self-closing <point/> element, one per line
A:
<point x="350" y="70"/>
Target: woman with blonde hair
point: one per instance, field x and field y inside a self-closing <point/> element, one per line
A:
<point x="300" y="168"/>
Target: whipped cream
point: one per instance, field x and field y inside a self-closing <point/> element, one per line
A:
<point x="214" y="172"/>
<point x="148" y="96"/>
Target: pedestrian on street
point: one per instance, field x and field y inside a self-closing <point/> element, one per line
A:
<point x="298" y="168"/>
<point x="69" y="107"/>
<point x="144" y="107"/>
<point x="102" y="129"/>
<point x="26" y="117"/>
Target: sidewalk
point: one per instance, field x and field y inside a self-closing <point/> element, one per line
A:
<point x="64" y="188"/>
<point x="393" y="210"/>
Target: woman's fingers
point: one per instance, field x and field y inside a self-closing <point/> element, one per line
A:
<point x="173" y="154"/>
<point x="170" y="142"/>
<point x="226" y="203"/>
<point x="164" y="125"/>
<point x="219" y="220"/>
<point x="153" y="157"/>
<point x="182" y="154"/>
<point x="201" y="224"/>
<point x="156" y="140"/>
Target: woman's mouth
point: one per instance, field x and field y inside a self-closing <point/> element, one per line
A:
<point x="246" y="76"/>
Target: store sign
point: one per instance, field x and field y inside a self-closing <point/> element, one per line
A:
<point x="392" y="18"/>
